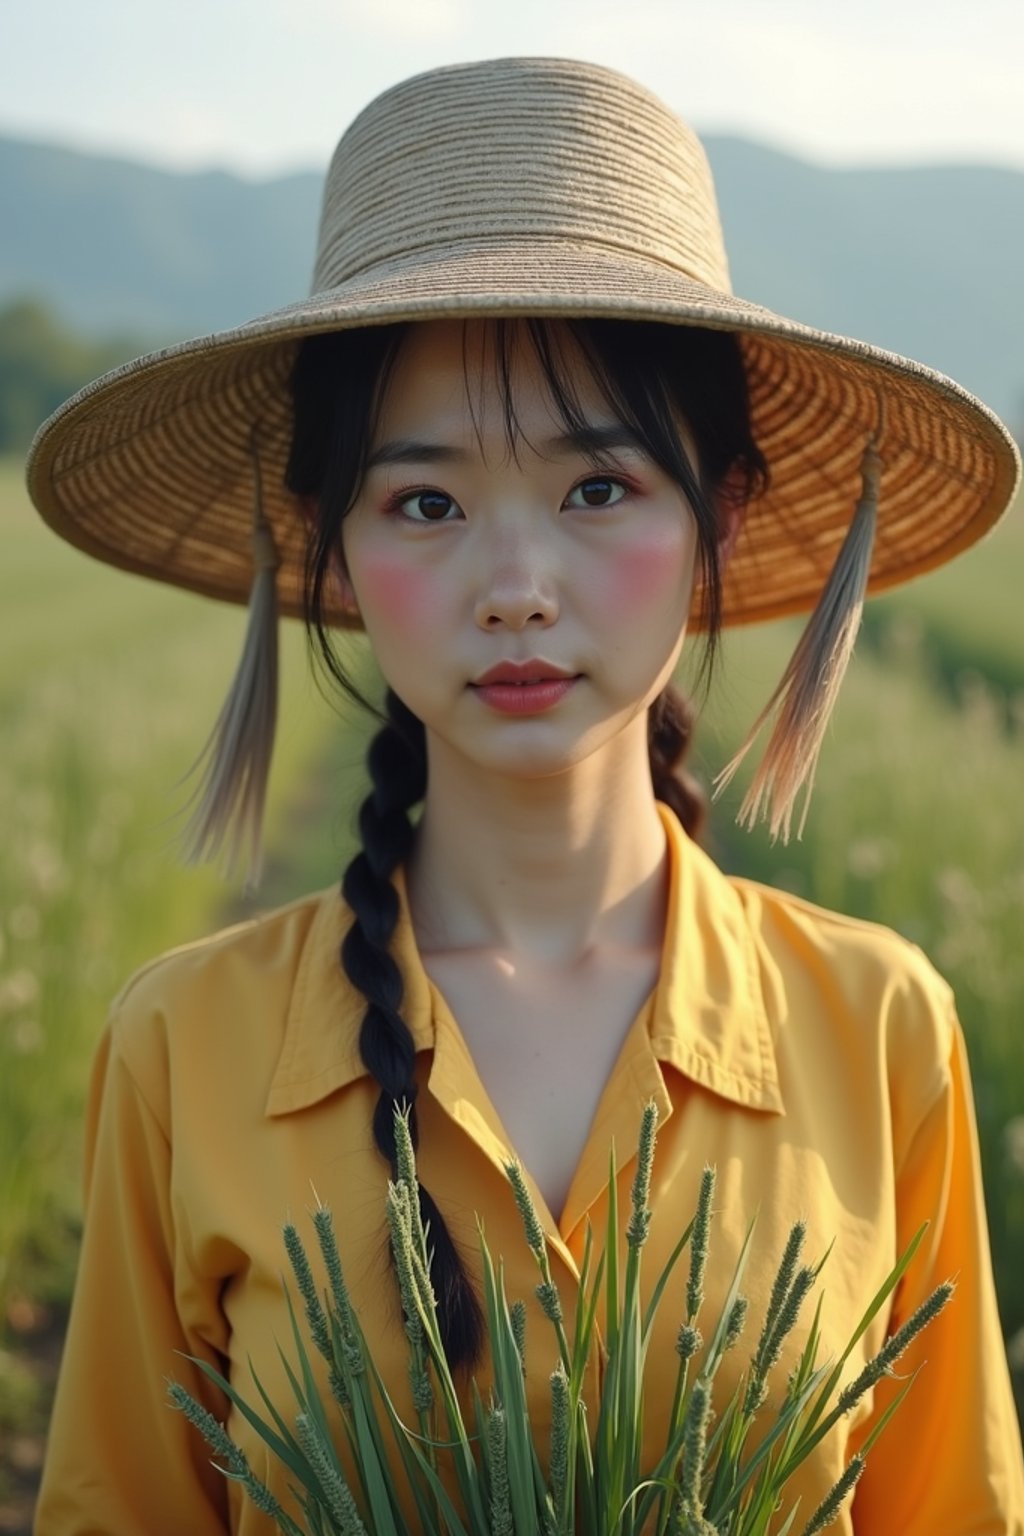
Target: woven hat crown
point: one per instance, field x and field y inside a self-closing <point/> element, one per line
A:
<point x="522" y="150"/>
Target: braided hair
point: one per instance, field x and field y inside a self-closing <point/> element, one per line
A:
<point x="651" y="376"/>
<point x="397" y="761"/>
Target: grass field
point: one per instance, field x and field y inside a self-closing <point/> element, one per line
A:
<point x="108" y="685"/>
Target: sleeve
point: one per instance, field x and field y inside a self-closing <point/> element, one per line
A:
<point x="950" y="1458"/>
<point x="120" y="1458"/>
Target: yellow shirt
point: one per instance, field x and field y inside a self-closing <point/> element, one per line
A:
<point x="815" y="1060"/>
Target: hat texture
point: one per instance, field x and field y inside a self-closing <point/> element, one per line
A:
<point x="541" y="187"/>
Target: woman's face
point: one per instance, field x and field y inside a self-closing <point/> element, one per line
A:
<point x="462" y="554"/>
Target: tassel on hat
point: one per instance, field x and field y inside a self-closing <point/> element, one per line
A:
<point x="803" y="701"/>
<point x="234" y="766"/>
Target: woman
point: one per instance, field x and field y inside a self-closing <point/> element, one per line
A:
<point x="523" y="435"/>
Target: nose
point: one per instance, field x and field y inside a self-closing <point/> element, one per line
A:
<point x="518" y="585"/>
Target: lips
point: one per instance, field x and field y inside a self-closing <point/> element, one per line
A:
<point x="522" y="672"/>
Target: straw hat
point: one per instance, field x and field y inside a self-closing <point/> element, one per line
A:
<point x="520" y="186"/>
<point x="542" y="187"/>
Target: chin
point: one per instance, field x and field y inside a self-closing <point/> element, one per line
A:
<point x="529" y="764"/>
<point x="538" y="756"/>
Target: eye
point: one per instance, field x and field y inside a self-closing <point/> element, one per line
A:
<point x="597" y="491"/>
<point x="424" y="506"/>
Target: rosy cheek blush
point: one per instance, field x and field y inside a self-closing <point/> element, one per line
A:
<point x="402" y="596"/>
<point x="643" y="571"/>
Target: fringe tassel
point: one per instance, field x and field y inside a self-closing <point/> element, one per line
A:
<point x="803" y="701"/>
<point x="234" y="766"/>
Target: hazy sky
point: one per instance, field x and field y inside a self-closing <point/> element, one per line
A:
<point x="268" y="85"/>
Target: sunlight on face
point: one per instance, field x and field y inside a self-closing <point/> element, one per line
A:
<point x="462" y="554"/>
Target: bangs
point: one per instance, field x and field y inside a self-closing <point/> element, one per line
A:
<point x="499" y="346"/>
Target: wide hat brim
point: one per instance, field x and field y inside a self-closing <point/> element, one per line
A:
<point x="150" y="467"/>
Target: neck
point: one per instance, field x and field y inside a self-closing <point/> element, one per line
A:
<point x="548" y="868"/>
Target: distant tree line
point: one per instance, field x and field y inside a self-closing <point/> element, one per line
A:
<point x="42" y="363"/>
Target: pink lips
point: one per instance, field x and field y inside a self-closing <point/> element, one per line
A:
<point x="524" y="687"/>
<point x="521" y="672"/>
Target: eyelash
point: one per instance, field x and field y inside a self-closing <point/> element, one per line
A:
<point x="395" y="503"/>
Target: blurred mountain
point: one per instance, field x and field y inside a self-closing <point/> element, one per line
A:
<point x="922" y="260"/>
<point x="116" y="246"/>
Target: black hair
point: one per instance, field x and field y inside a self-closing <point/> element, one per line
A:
<point x="653" y="377"/>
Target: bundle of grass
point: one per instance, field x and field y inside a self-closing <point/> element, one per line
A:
<point x="714" y="1478"/>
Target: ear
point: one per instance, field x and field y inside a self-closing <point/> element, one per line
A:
<point x="339" y="571"/>
<point x="731" y="505"/>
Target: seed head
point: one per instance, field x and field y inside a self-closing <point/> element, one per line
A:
<point x="699" y="1244"/>
<point x="559" y="1438"/>
<point x="501" y="1497"/>
<point x="640" y="1221"/>
<point x="896" y="1345"/>
<point x="689" y="1341"/>
<point x="550" y="1301"/>
<point x="315" y="1315"/>
<point x="830" y="1505"/>
<point x="220" y="1442"/>
<point x="405" y="1157"/>
<point x="695" y="1433"/>
<point x="400" y="1228"/>
<point x="422" y="1391"/>
<point x="324" y="1225"/>
<point x="734" y="1324"/>
<point x="341" y="1505"/>
<point x="534" y="1230"/>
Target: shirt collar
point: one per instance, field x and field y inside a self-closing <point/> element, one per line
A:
<point x="707" y="1017"/>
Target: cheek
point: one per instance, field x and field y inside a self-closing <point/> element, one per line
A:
<point x="401" y="598"/>
<point x="647" y="571"/>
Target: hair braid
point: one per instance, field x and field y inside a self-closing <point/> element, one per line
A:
<point x="670" y="721"/>
<point x="397" y="762"/>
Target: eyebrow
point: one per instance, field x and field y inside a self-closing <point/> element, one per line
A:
<point x="587" y="439"/>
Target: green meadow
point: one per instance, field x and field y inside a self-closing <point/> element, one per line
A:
<point x="108" y="685"/>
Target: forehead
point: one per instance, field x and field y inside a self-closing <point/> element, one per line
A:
<point x="485" y="379"/>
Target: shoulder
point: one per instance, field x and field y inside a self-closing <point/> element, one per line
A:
<point x="868" y="953"/>
<point x="262" y="948"/>
<point x="873" y="991"/>
<point x="219" y="1006"/>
